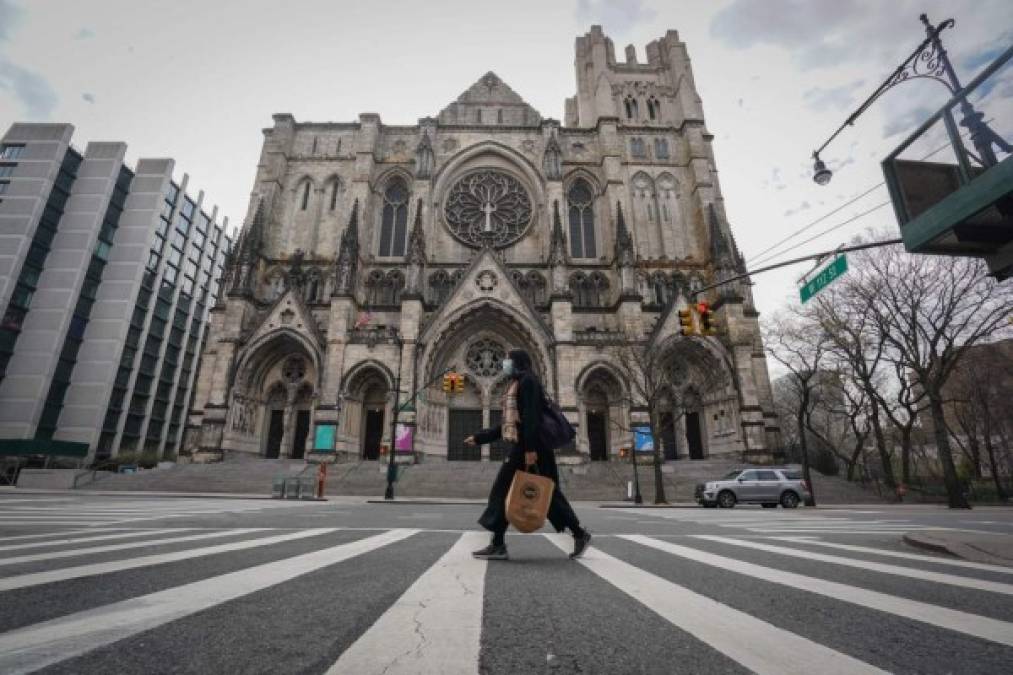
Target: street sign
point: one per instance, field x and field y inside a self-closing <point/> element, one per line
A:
<point x="825" y="277"/>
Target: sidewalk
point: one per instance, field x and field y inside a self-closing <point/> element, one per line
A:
<point x="993" y="549"/>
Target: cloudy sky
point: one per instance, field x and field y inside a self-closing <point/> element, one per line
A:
<point x="198" y="81"/>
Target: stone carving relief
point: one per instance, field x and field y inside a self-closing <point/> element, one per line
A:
<point x="484" y="358"/>
<point x="486" y="281"/>
<point x="450" y="144"/>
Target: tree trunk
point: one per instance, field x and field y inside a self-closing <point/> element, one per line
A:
<point x="954" y="490"/>
<point x="659" y="484"/>
<point x="1000" y="493"/>
<point x="884" y="454"/>
<point x="805" y="452"/>
<point x="905" y="455"/>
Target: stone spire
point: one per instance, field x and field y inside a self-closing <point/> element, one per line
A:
<point x="416" y="253"/>
<point x="424" y="158"/>
<point x="552" y="160"/>
<point x="557" y="246"/>
<point x="247" y="253"/>
<point x="347" y="262"/>
<point x="721" y="253"/>
<point x="624" y="253"/>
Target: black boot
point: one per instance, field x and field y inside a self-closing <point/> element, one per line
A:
<point x="492" y="552"/>
<point x="580" y="543"/>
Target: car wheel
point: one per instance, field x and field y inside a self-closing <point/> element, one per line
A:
<point x="769" y="506"/>
<point x="789" y="500"/>
<point x="726" y="499"/>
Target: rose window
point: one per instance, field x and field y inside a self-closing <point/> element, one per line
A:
<point x="484" y="357"/>
<point x="488" y="208"/>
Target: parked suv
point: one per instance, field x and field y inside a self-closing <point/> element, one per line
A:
<point x="768" y="487"/>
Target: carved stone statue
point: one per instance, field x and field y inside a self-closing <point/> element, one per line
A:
<point x="552" y="161"/>
<point x="296" y="273"/>
<point x="424" y="159"/>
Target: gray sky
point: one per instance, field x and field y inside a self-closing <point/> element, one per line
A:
<point x="197" y="81"/>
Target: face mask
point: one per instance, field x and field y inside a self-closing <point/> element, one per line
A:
<point x="508" y="367"/>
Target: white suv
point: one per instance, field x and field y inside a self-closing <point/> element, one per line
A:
<point x="768" y="487"/>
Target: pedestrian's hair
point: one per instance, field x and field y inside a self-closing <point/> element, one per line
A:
<point x="522" y="363"/>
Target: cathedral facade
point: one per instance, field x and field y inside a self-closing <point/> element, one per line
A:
<point x="376" y="257"/>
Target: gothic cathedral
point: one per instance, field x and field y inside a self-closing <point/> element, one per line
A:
<point x="376" y="256"/>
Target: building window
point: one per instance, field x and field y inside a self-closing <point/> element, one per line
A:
<point x="589" y="290"/>
<point x="394" y="223"/>
<point x="440" y="285"/>
<point x="4" y="184"/>
<point x="499" y="116"/>
<point x="11" y="151"/>
<point x="7" y="170"/>
<point x="305" y="195"/>
<point x="478" y="115"/>
<point x="637" y="148"/>
<point x="661" y="148"/>
<point x="384" y="289"/>
<point x="653" y="108"/>
<point x="580" y="202"/>
<point x="334" y="195"/>
<point x="631" y="108"/>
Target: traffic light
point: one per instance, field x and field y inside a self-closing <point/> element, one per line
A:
<point x="448" y="383"/>
<point x="708" y="324"/>
<point x="686" y="322"/>
<point x="458" y="383"/>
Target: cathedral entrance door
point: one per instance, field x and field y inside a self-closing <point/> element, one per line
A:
<point x="275" y="430"/>
<point x="693" y="436"/>
<point x="302" y="430"/>
<point x="596" y="436"/>
<point x="373" y="435"/>
<point x="497" y="449"/>
<point x="463" y="423"/>
<point x="668" y="443"/>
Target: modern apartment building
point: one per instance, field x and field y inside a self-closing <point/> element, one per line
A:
<point x="107" y="275"/>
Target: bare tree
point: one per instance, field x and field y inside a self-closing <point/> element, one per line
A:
<point x="927" y="310"/>
<point x="791" y="340"/>
<point x="677" y="375"/>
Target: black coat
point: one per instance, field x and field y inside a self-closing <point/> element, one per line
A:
<point x="530" y="404"/>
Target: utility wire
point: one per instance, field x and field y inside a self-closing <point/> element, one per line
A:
<point x="761" y="258"/>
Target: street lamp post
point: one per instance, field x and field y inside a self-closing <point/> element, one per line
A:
<point x="928" y="61"/>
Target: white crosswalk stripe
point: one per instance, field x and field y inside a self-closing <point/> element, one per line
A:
<point x="757" y="645"/>
<point x="436" y="625"/>
<point x="28" y="649"/>
<point x="950" y="619"/>
<point x="435" y="622"/>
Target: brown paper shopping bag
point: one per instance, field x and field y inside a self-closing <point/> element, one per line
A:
<point x="527" y="502"/>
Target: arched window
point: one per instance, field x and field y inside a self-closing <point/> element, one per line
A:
<point x="478" y="115"/>
<point x="499" y="116"/>
<point x="578" y="289"/>
<point x="637" y="148"/>
<point x="653" y="108"/>
<point x="580" y="203"/>
<point x="374" y="288"/>
<point x="394" y="224"/>
<point x="394" y="284"/>
<point x="305" y="195"/>
<point x="334" y="194"/>
<point x="439" y="287"/>
<point x="598" y="289"/>
<point x="631" y="108"/>
<point x="312" y="292"/>
<point x="661" y="148"/>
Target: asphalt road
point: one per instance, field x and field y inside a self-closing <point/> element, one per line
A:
<point x="148" y="584"/>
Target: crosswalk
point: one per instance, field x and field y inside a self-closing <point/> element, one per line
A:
<point x="787" y="522"/>
<point x="359" y="601"/>
<point x="91" y="512"/>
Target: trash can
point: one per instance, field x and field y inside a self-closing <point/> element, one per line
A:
<point x="292" y="487"/>
<point x="307" y="487"/>
<point x="278" y="487"/>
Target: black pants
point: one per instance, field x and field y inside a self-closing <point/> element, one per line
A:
<point x="561" y="514"/>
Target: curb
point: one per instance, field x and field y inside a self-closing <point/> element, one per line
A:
<point x="956" y="549"/>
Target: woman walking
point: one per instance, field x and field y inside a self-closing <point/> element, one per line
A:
<point x="522" y="413"/>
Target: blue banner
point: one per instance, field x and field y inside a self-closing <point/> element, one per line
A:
<point x="642" y="440"/>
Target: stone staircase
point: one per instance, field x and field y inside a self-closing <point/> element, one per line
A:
<point x="594" y="481"/>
